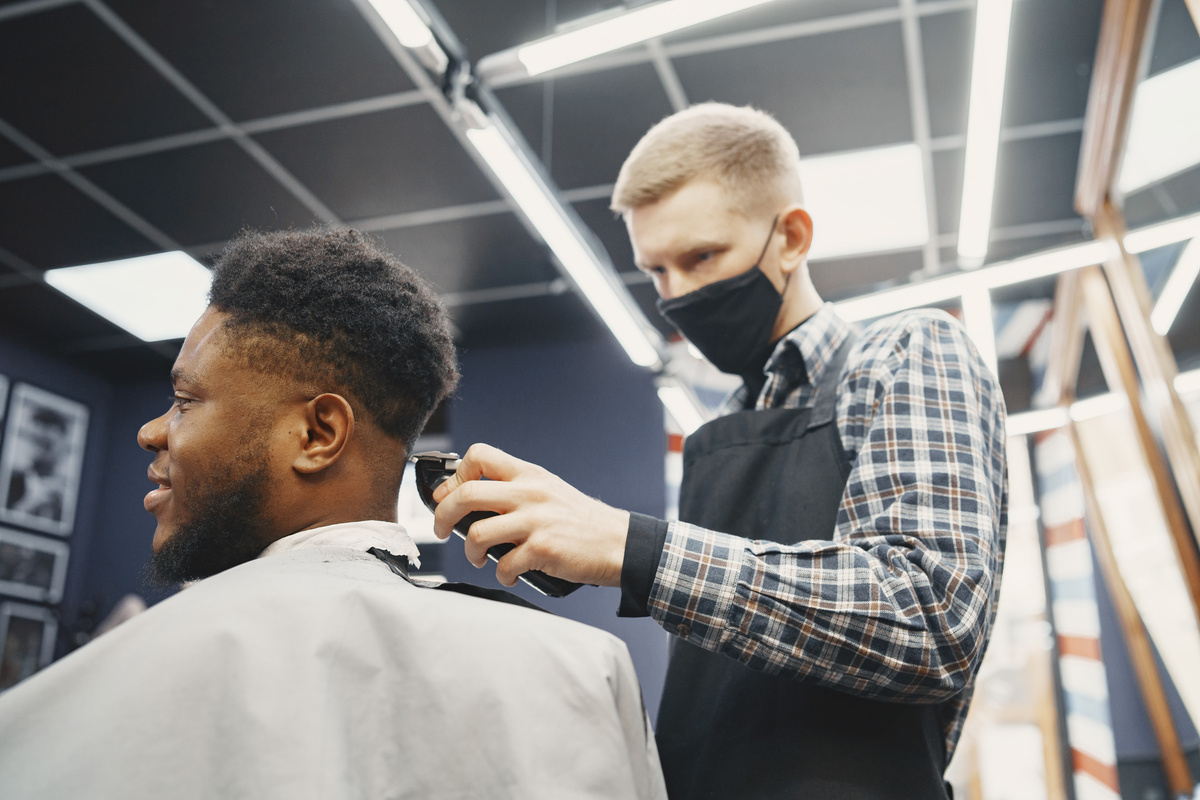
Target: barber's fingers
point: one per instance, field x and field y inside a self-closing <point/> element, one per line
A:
<point x="527" y="555"/>
<point x="483" y="461"/>
<point x="498" y="496"/>
<point x="487" y="533"/>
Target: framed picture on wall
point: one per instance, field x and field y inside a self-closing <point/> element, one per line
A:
<point x="41" y="460"/>
<point x="27" y="635"/>
<point x="32" y="567"/>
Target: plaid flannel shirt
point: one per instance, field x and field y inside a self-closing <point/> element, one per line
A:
<point x="899" y="604"/>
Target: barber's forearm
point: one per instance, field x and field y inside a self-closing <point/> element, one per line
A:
<point x="877" y="613"/>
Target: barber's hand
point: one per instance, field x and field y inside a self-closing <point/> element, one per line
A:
<point x="556" y="528"/>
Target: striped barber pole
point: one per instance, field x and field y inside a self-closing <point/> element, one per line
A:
<point x="1069" y="567"/>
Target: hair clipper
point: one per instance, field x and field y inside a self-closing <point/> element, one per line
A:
<point x="432" y="469"/>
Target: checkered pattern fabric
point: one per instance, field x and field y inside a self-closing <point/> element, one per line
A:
<point x="899" y="604"/>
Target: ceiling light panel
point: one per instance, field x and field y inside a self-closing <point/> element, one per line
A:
<point x="1164" y="130"/>
<point x="622" y="30"/>
<point x="866" y="201"/>
<point x="156" y="297"/>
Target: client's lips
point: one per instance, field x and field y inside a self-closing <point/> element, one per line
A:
<point x="159" y="495"/>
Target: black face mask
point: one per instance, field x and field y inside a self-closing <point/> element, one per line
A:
<point x="731" y="321"/>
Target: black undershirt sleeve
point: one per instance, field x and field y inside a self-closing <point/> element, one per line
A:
<point x="643" y="548"/>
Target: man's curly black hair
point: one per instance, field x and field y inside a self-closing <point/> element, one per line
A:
<point x="330" y="308"/>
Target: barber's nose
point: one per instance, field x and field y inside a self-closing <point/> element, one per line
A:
<point x="153" y="435"/>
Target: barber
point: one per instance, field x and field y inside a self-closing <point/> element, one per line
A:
<point x="832" y="579"/>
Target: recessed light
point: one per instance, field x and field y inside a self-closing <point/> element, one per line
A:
<point x="1164" y="130"/>
<point x="865" y="201"/>
<point x="155" y="297"/>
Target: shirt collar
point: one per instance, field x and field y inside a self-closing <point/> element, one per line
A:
<point x="801" y="356"/>
<point x="360" y="535"/>
<point x="817" y="340"/>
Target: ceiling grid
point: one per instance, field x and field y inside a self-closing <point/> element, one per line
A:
<point x="348" y="149"/>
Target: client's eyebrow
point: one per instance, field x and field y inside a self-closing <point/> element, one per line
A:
<point x="178" y="376"/>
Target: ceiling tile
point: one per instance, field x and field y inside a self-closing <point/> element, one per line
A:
<point x="50" y="224"/>
<point x="527" y="104"/>
<point x="838" y="91"/>
<point x="947" y="182"/>
<point x="1052" y="47"/>
<point x="1184" y="192"/>
<point x="71" y="85"/>
<point x="385" y="163"/>
<point x="1184" y="336"/>
<point x="946" y="45"/>
<point x="590" y="142"/>
<point x="1035" y="180"/>
<point x="201" y="194"/>
<point x="269" y="56"/>
<point x="1173" y="197"/>
<point x="1006" y="249"/>
<point x="780" y="12"/>
<point x="847" y="277"/>
<point x="485" y="28"/>
<point x="558" y="317"/>
<point x="11" y="155"/>
<point x="36" y="313"/>
<point x="610" y="230"/>
<point x="1176" y="39"/>
<point x="470" y="254"/>
<point x="1040" y="289"/>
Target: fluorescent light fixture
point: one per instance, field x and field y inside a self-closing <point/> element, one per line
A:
<point x="1028" y="422"/>
<point x="1163" y="233"/>
<point x="866" y="201"/>
<point x="988" y="65"/>
<point x="154" y="297"/>
<point x="621" y="30"/>
<point x="940" y="290"/>
<point x="1098" y="406"/>
<point x="977" y="317"/>
<point x="543" y="211"/>
<point x="1176" y="290"/>
<point x="1047" y="419"/>
<point x="408" y="26"/>
<point x="1164" y="129"/>
<point x="682" y="405"/>
<point x="1187" y="383"/>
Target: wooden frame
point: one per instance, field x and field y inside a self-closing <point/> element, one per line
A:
<point x="1135" y="358"/>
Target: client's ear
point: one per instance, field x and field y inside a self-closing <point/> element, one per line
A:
<point x="330" y="424"/>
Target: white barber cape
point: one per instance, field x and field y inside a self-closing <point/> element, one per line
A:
<point x="314" y="672"/>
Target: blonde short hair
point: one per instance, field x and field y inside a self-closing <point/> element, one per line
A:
<point x="743" y="149"/>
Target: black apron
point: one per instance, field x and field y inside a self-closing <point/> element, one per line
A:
<point x="727" y="731"/>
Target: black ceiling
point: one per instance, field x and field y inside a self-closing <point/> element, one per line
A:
<point x="132" y="126"/>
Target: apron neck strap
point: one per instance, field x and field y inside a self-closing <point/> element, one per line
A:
<point x="825" y="407"/>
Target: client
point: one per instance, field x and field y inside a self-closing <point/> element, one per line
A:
<point x="303" y="664"/>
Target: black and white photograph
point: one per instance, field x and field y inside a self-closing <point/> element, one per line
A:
<point x="41" y="460"/>
<point x="27" y="634"/>
<point x="32" y="567"/>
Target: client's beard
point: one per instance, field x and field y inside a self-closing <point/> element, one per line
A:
<point x="227" y="526"/>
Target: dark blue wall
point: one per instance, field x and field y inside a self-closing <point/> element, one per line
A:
<point x="584" y="412"/>
<point x="20" y="364"/>
<point x="124" y="529"/>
